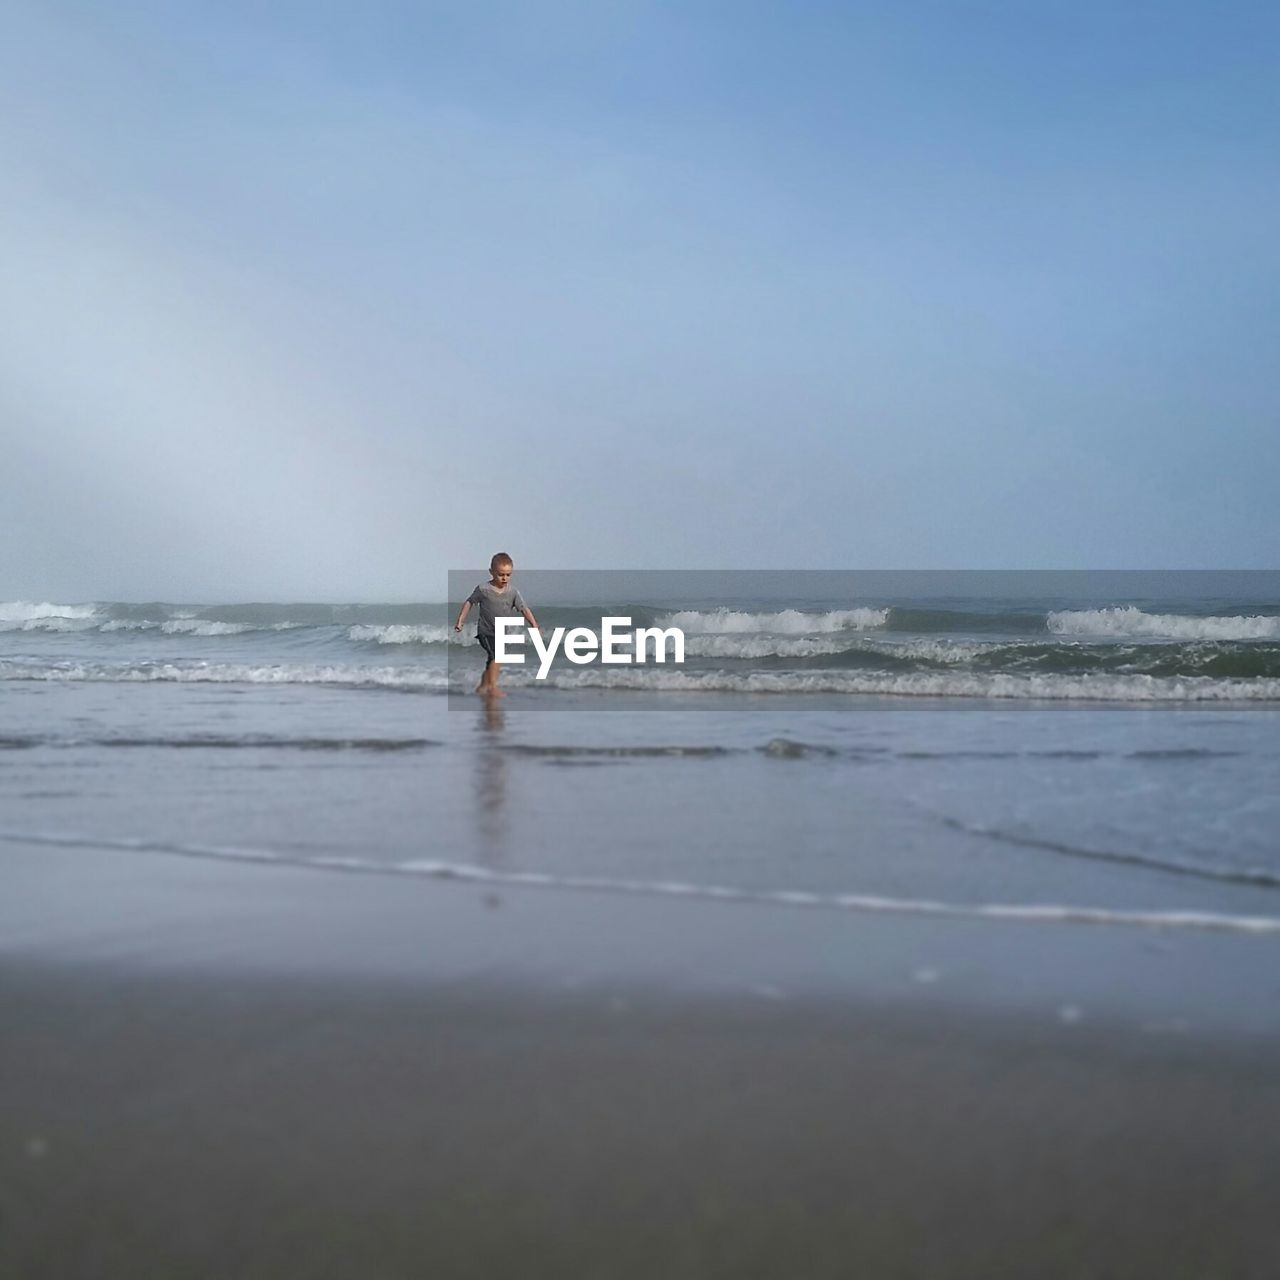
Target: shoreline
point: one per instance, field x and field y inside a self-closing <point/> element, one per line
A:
<point x="156" y="913"/>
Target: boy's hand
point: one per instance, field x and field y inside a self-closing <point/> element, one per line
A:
<point x="457" y="626"/>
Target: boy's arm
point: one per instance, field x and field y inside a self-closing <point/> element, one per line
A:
<point x="530" y="619"/>
<point x="462" y="615"/>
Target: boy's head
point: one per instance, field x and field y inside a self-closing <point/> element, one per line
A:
<point x="501" y="567"/>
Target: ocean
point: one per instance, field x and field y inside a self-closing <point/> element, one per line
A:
<point x="1066" y="750"/>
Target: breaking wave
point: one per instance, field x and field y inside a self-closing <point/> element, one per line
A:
<point x="1095" y="687"/>
<point x="202" y="627"/>
<point x="923" y="684"/>
<point x="20" y="611"/>
<point x="791" y="622"/>
<point x="738" y="645"/>
<point x="1165" y="653"/>
<point x="1132" y="621"/>
<point x="417" y="679"/>
<point x="403" y="633"/>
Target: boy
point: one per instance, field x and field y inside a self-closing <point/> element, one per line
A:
<point x="497" y="598"/>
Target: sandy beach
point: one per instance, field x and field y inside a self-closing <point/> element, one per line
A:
<point x="216" y="1070"/>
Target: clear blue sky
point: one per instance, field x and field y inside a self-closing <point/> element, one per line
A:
<point x="319" y="300"/>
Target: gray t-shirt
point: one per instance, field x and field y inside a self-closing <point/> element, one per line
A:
<point x="493" y="603"/>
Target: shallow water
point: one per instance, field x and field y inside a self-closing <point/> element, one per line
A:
<point x="1151" y="809"/>
<point x="1058" y="771"/>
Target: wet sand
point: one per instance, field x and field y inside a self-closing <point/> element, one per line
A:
<point x="215" y="1071"/>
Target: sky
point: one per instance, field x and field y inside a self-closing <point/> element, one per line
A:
<point x="318" y="300"/>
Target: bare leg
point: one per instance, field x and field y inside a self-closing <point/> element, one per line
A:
<point x="488" y="686"/>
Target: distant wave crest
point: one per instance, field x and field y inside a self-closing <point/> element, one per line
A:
<point x="408" y="678"/>
<point x="23" y="611"/>
<point x="941" y="684"/>
<point x="401" y="633"/>
<point x="22" y="615"/>
<point x="202" y="627"/>
<point x="790" y="622"/>
<point x="1132" y="621"/>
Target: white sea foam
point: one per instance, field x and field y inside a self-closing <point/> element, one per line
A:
<point x="404" y="633"/>
<point x="753" y="645"/>
<point x="790" y="622"/>
<point x="203" y="627"/>
<point x="1095" y="687"/>
<point x="417" y="678"/>
<point x="23" y="611"/>
<point x="51" y="622"/>
<point x="1131" y="621"/>
<point x="180" y="624"/>
<point x="953" y="651"/>
<point x="871" y="904"/>
<point x="733" y="645"/>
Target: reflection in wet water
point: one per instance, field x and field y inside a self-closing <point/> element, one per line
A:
<point x="492" y="819"/>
